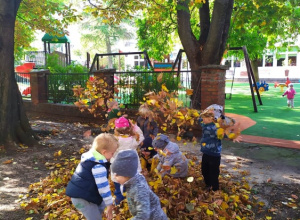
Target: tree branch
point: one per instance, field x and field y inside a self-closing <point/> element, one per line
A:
<point x="188" y="39"/>
<point x="204" y="22"/>
<point x="218" y="32"/>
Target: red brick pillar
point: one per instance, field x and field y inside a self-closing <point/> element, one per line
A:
<point x="39" y="86"/>
<point x="212" y="85"/>
<point x="108" y="76"/>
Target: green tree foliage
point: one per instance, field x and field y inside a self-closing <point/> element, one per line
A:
<point x="99" y="36"/>
<point x="50" y="16"/>
<point x="261" y="24"/>
<point x="157" y="30"/>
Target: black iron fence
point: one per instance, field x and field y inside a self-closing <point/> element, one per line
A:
<point x="133" y="86"/>
<point x="130" y="87"/>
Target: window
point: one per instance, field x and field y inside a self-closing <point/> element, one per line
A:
<point x="136" y="57"/>
<point x="228" y="63"/>
<point x="142" y="63"/>
<point x="269" y="61"/>
<point x="237" y="63"/>
<point x="292" y="60"/>
<point x="136" y="63"/>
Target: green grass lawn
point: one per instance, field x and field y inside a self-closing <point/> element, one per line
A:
<point x="273" y="119"/>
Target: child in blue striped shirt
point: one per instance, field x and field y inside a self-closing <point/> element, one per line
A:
<point x="89" y="187"/>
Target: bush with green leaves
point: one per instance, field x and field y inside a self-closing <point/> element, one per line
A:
<point x="63" y="77"/>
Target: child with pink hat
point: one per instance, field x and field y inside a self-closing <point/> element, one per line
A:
<point x="129" y="137"/>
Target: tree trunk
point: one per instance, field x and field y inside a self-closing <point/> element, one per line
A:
<point x="254" y="65"/>
<point x="209" y="49"/>
<point x="14" y="124"/>
<point x="108" y="49"/>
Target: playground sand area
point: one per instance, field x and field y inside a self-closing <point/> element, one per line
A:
<point x="273" y="172"/>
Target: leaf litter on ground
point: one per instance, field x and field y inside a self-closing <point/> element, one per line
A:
<point x="181" y="198"/>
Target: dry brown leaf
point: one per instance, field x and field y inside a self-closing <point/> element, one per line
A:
<point x="7" y="162"/>
<point x="294" y="196"/>
<point x="160" y="78"/>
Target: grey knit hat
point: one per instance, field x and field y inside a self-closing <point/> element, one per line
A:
<point x="126" y="163"/>
<point x="160" y="141"/>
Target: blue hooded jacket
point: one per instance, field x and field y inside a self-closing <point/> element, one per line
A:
<point x="210" y="144"/>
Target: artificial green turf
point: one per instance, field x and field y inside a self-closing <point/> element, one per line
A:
<point x="273" y="119"/>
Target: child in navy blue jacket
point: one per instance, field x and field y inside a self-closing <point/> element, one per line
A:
<point x="89" y="187"/>
<point x="211" y="147"/>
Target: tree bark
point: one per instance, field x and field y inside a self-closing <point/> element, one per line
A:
<point x="254" y="65"/>
<point x="209" y="49"/>
<point x="14" y="124"/>
<point x="108" y="49"/>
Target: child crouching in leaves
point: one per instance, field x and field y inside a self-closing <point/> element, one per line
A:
<point x="211" y="147"/>
<point x="143" y="203"/>
<point x="129" y="137"/>
<point x="89" y="187"/>
<point x="171" y="159"/>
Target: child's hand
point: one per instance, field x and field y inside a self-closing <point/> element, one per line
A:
<point x="109" y="212"/>
<point x="125" y="115"/>
<point x="237" y="139"/>
<point x="152" y="136"/>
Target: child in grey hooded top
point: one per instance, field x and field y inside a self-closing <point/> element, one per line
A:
<point x="143" y="203"/>
<point x="169" y="156"/>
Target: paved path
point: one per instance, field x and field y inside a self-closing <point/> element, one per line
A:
<point x="246" y="122"/>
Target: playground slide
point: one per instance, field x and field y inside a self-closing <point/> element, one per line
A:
<point x="23" y="71"/>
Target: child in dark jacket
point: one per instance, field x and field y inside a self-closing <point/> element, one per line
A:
<point x="211" y="147"/>
<point x="89" y="187"/>
<point x="150" y="129"/>
<point x="146" y="122"/>
<point x="143" y="203"/>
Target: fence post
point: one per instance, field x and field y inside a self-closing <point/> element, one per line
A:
<point x="108" y="76"/>
<point x="213" y="85"/>
<point x="39" y="86"/>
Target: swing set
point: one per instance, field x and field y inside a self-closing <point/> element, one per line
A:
<point x="252" y="81"/>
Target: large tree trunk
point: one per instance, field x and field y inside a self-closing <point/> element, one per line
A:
<point x="254" y="65"/>
<point x="14" y="124"/>
<point x="209" y="49"/>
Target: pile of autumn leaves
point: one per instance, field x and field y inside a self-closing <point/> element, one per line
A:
<point x="181" y="198"/>
<point x="167" y="109"/>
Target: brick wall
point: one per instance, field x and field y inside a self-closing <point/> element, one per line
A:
<point x="212" y="85"/>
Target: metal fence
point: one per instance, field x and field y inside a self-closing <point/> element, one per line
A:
<point x="134" y="85"/>
<point x="130" y="86"/>
<point x="60" y="86"/>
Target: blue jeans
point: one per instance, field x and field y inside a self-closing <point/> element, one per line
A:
<point x="90" y="210"/>
<point x="118" y="193"/>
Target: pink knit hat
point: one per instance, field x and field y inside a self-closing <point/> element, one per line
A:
<point x="121" y="123"/>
